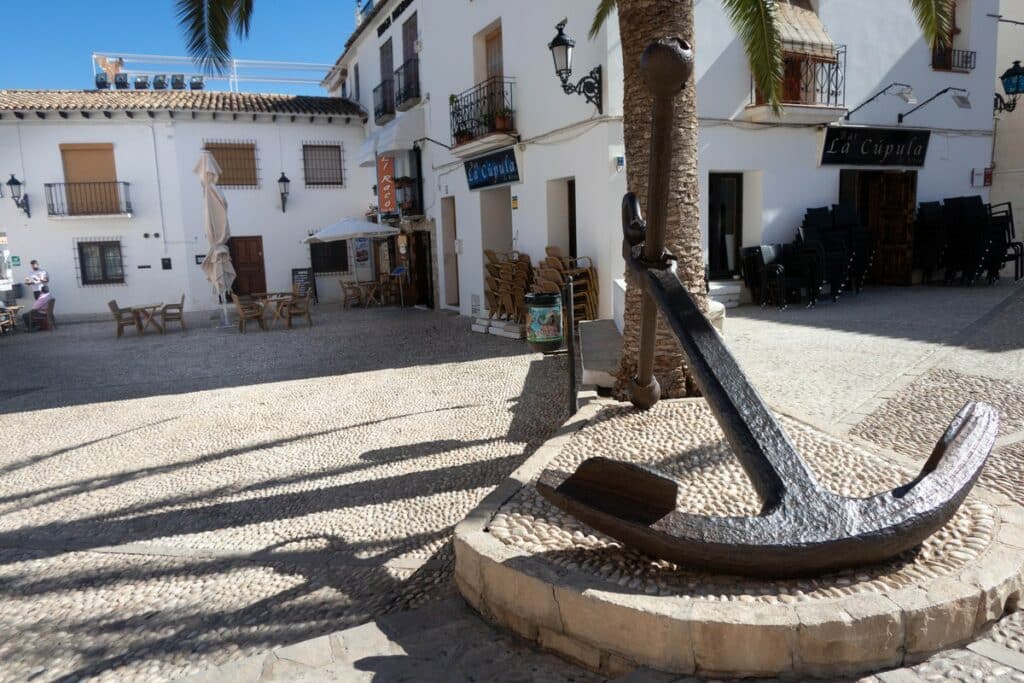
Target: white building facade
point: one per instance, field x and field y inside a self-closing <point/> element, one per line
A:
<point x="1008" y="169"/>
<point x="116" y="210"/>
<point x="554" y="175"/>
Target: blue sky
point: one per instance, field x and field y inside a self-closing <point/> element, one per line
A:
<point x="49" y="44"/>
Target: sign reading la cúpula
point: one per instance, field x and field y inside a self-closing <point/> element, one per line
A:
<point x="875" y="147"/>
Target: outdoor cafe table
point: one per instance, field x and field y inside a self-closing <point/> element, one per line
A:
<point x="276" y="301"/>
<point x="13" y="311"/>
<point x="371" y="293"/>
<point x="145" y="316"/>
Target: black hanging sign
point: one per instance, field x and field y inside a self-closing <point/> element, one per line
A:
<point x="303" y="282"/>
<point x="874" y="147"/>
<point x="497" y="168"/>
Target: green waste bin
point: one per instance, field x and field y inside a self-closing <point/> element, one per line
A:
<point x="544" y="322"/>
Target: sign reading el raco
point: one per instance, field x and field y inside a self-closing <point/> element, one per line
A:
<point x="498" y="168"/>
<point x="386" y="201"/>
<point x="874" y="147"/>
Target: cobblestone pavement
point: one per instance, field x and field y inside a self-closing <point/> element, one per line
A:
<point x="174" y="502"/>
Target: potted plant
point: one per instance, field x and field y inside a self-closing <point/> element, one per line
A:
<point x="403" y="181"/>
<point x="503" y="120"/>
<point x="487" y="120"/>
<point x="462" y="135"/>
<point x="407" y="205"/>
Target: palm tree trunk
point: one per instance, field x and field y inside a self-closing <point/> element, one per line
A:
<point x="640" y="23"/>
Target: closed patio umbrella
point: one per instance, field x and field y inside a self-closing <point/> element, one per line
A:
<point x="351" y="228"/>
<point x="217" y="265"/>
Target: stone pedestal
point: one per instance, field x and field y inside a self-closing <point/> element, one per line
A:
<point x="530" y="567"/>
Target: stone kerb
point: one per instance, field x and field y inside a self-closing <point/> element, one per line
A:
<point x="861" y="621"/>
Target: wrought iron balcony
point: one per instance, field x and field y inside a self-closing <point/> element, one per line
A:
<point x="947" y="59"/>
<point x="384" y="102"/>
<point x="482" y="110"/>
<point x="407" y="85"/>
<point x="811" y="81"/>
<point x="88" y="199"/>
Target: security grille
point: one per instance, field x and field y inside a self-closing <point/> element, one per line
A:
<point x="100" y="263"/>
<point x="323" y="165"/>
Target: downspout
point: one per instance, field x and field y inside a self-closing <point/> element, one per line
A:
<point x="159" y="187"/>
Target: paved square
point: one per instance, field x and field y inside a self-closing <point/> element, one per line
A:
<point x="169" y="503"/>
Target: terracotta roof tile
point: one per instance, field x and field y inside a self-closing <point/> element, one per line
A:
<point x="178" y="100"/>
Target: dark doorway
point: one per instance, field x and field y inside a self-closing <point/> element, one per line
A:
<point x="885" y="201"/>
<point x="422" y="269"/>
<point x="725" y="224"/>
<point x="571" y="191"/>
<point x="247" y="258"/>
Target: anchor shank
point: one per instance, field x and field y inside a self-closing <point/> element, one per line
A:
<point x="768" y="457"/>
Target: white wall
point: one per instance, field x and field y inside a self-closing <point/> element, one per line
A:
<point x="1008" y="175"/>
<point x="156" y="156"/>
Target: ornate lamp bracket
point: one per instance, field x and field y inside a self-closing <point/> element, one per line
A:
<point x="589" y="86"/>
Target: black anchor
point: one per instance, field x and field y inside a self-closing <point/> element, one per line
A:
<point x="802" y="529"/>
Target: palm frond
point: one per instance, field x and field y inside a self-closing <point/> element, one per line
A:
<point x="935" y="17"/>
<point x="754" y="21"/>
<point x="604" y="10"/>
<point x="207" y="25"/>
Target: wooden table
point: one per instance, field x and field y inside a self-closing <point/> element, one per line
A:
<point x="277" y="302"/>
<point x="13" y="311"/>
<point x="145" y="316"/>
<point x="371" y="293"/>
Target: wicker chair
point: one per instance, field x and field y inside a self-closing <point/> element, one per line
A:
<point x="297" y="308"/>
<point x="174" y="312"/>
<point x="249" y="310"/>
<point x="123" y="317"/>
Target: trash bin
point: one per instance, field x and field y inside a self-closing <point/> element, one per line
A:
<point x="544" y="322"/>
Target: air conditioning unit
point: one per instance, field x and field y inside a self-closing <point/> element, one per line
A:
<point x="178" y="81"/>
<point x="160" y="82"/>
<point x="121" y="81"/>
<point x="195" y="83"/>
<point x="141" y="82"/>
<point x="102" y="82"/>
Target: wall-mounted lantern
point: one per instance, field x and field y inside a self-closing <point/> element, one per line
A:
<point x="283" y="184"/>
<point x="589" y="86"/>
<point x="962" y="100"/>
<point x="20" y="200"/>
<point x="1013" y="86"/>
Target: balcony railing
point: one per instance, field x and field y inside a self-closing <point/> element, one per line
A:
<point x="811" y="81"/>
<point x="946" y="59"/>
<point x="483" y="109"/>
<point x="88" y="199"/>
<point x="407" y="85"/>
<point x="384" y="102"/>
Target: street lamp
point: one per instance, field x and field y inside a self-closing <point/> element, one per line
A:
<point x="901" y="90"/>
<point x="19" y="201"/>
<point x="1013" y="86"/>
<point x="589" y="86"/>
<point x="962" y="100"/>
<point x="283" y="184"/>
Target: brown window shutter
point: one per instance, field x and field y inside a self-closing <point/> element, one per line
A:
<point x="237" y="161"/>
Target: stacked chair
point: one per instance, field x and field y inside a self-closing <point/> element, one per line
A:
<point x="860" y="243"/>
<point x="553" y="273"/>
<point x="1004" y="245"/>
<point x="968" y="239"/>
<point x="930" y="239"/>
<point x="776" y="273"/>
<point x="507" y="278"/>
<point x="819" y="238"/>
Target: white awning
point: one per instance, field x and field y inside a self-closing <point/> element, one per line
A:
<point x="399" y="135"/>
<point x="802" y="31"/>
<point x="351" y="228"/>
<point x="368" y="151"/>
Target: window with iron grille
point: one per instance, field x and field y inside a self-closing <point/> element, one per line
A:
<point x="239" y="166"/>
<point x="329" y="257"/>
<point x="323" y="165"/>
<point x="100" y="263"/>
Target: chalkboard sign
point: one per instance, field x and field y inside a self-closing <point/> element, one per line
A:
<point x="304" y="282"/>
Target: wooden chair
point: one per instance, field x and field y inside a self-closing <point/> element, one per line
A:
<point x="249" y="310"/>
<point x="351" y="295"/>
<point x="123" y="317"/>
<point x="6" y="321"/>
<point x="174" y="312"/>
<point x="297" y="308"/>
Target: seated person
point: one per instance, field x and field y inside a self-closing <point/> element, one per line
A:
<point x="38" y="312"/>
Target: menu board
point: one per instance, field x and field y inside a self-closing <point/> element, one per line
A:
<point x="304" y="281"/>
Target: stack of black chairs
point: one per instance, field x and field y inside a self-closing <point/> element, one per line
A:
<point x="819" y="239"/>
<point x="967" y="238"/>
<point x="777" y="273"/>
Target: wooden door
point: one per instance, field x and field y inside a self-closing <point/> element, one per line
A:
<point x="891" y="199"/>
<point x="793" y="80"/>
<point x="247" y="258"/>
<point x="422" y="269"/>
<point x="90" y="179"/>
<point x="450" y="232"/>
<point x="725" y="224"/>
<point x="493" y="52"/>
<point x="387" y="62"/>
<point x="573" y="247"/>
<point x="410" y="31"/>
